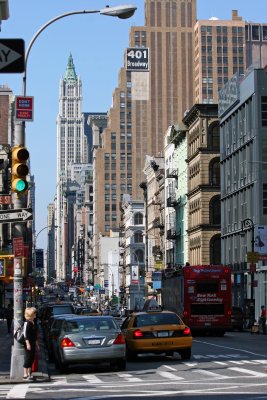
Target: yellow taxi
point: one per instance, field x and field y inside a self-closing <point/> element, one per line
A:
<point x="156" y="331"/>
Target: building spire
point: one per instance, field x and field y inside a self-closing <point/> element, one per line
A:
<point x="70" y="71"/>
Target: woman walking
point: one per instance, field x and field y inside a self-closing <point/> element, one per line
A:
<point x="31" y="343"/>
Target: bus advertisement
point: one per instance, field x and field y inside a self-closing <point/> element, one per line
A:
<point x="207" y="298"/>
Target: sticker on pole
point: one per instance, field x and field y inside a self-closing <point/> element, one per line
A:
<point x="24" y="108"/>
<point x="17" y="267"/>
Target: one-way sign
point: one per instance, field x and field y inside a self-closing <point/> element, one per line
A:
<point x="19" y="215"/>
<point x="12" y="55"/>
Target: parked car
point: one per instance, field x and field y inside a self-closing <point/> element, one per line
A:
<point x="156" y="332"/>
<point x="89" y="339"/>
<point x="237" y="318"/>
<point x="51" y="332"/>
<point x="50" y="310"/>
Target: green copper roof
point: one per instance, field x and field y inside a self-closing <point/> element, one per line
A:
<point x="70" y="71"/>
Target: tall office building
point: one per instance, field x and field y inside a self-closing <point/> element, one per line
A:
<point x="220" y="52"/>
<point x="145" y="102"/>
<point x="71" y="148"/>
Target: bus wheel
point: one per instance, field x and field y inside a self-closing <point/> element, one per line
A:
<point x="185" y="354"/>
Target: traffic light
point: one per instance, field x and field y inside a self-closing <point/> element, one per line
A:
<point x="20" y="169"/>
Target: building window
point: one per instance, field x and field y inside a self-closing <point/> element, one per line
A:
<point x="264" y="110"/>
<point x="215" y="211"/>
<point x="264" y="198"/>
<point x="255" y="32"/>
<point x="138" y="218"/>
<point x="264" y="33"/>
<point x="214" y="136"/>
<point x="138" y="237"/>
<point x="214" y="172"/>
<point x="215" y="250"/>
<point x="138" y="256"/>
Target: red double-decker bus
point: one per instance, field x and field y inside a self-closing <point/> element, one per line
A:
<point x="207" y="298"/>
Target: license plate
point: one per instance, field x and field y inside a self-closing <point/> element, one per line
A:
<point x="163" y="334"/>
<point x="93" y="341"/>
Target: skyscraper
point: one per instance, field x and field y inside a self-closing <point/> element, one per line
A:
<point x="144" y="104"/>
<point x="71" y="148"/>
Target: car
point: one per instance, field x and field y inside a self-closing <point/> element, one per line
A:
<point x="237" y="318"/>
<point x="89" y="339"/>
<point x="157" y="332"/>
<point x="51" y="333"/>
<point x="89" y="311"/>
<point x="50" y="310"/>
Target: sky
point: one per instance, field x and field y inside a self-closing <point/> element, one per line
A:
<point x="97" y="44"/>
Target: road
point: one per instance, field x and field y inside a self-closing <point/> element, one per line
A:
<point x="230" y="367"/>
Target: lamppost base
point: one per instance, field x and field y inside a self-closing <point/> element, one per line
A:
<point x="17" y="361"/>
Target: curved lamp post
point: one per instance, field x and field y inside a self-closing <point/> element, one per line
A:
<point x="122" y="12"/>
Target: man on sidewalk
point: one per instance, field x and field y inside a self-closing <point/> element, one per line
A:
<point x="9" y="317"/>
<point x="263" y="319"/>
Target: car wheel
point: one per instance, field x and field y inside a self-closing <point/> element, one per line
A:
<point x="130" y="355"/>
<point x="185" y="354"/>
<point x="169" y="353"/>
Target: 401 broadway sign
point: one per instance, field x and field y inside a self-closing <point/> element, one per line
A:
<point x="137" y="59"/>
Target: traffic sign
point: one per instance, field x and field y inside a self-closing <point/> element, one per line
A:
<point x="19" y="215"/>
<point x="24" y="108"/>
<point x="12" y="55"/>
<point x="252" y="257"/>
<point x="18" y="246"/>
<point x="5" y="199"/>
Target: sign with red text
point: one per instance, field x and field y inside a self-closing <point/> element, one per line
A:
<point x="24" y="108"/>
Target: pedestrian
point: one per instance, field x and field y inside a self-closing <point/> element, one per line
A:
<point x="263" y="319"/>
<point x="31" y="342"/>
<point x="9" y="317"/>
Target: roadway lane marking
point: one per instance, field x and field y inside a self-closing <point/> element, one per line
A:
<point x="92" y="379"/>
<point x="18" y="392"/>
<point x="129" y="378"/>
<point x="169" y="375"/>
<point x="209" y="373"/>
<point x="227" y="347"/>
<point x="220" y="363"/>
<point x="168" y="367"/>
<point x="248" y="372"/>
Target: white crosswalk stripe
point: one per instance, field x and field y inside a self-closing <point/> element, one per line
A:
<point x="249" y="372"/>
<point x="169" y="375"/>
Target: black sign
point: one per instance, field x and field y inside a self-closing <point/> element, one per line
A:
<point x="39" y="257"/>
<point x="12" y="57"/>
<point x="137" y="59"/>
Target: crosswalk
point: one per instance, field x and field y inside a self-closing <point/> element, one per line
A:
<point x="190" y="372"/>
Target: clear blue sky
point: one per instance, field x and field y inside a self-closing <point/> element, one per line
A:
<point x="97" y="44"/>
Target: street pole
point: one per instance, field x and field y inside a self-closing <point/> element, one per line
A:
<point x="17" y="353"/>
<point x="123" y="12"/>
<point x="248" y="223"/>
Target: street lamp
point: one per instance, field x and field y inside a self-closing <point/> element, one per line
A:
<point x="124" y="11"/>
<point x="247" y="224"/>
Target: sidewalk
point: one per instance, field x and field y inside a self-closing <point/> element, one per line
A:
<point x="7" y="341"/>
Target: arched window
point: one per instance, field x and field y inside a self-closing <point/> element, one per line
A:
<point x="214" y="172"/>
<point x="215" y="211"/>
<point x="215" y="250"/>
<point x="138" y="256"/>
<point x="138" y="237"/>
<point x="138" y="219"/>
<point x="214" y="136"/>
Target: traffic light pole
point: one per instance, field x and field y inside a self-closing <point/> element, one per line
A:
<point x="17" y="355"/>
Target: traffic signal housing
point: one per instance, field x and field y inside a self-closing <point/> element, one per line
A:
<point x="20" y="169"/>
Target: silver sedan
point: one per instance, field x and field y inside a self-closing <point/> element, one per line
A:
<point x="90" y="339"/>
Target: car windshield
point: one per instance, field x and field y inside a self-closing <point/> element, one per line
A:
<point x="62" y="310"/>
<point x="94" y="324"/>
<point x="157" y="319"/>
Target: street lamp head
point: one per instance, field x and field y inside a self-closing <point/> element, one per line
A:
<point x="122" y="12"/>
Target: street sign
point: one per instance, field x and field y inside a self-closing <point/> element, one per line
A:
<point x="252" y="257"/>
<point x="137" y="59"/>
<point x="39" y="257"/>
<point x="18" y="246"/>
<point x="24" y="108"/>
<point x="5" y="199"/>
<point x="19" y="215"/>
<point x="12" y="55"/>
